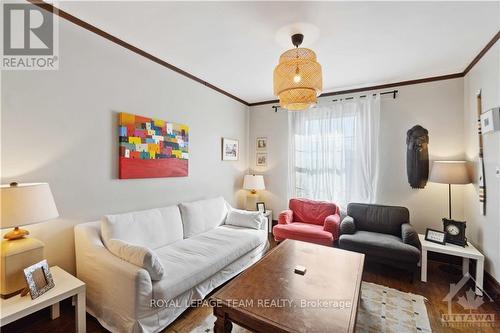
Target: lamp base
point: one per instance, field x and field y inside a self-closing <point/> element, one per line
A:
<point x="16" y="234"/>
<point x="16" y="255"/>
<point x="252" y="199"/>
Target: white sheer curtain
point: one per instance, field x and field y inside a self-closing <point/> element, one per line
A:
<point x="333" y="151"/>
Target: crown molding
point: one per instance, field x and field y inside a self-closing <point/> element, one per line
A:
<point x="482" y="53"/>
<point x="116" y="40"/>
<point x="73" y="19"/>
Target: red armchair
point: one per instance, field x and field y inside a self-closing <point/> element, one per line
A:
<point x="309" y="221"/>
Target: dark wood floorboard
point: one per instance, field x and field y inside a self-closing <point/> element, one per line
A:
<point x="434" y="290"/>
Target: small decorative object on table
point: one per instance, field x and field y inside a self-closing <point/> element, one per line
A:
<point x="455" y="232"/>
<point x="301" y="270"/>
<point x="230" y="149"/>
<point x="435" y="236"/>
<point x="261" y="207"/>
<point x="39" y="278"/>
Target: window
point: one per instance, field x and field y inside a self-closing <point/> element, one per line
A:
<point x="330" y="149"/>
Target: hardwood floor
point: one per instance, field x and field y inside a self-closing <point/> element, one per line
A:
<point x="434" y="290"/>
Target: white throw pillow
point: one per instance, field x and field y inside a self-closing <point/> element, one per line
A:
<point x="138" y="255"/>
<point x="244" y="218"/>
<point x="202" y="215"/>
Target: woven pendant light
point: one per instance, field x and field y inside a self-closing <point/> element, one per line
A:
<point x="297" y="78"/>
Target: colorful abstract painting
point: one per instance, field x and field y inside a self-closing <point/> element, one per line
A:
<point x="152" y="148"/>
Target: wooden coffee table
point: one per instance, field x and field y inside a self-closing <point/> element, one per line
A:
<point x="270" y="297"/>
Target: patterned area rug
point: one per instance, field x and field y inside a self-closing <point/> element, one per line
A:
<point x="382" y="309"/>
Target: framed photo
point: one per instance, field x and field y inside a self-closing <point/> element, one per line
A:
<point x="435" y="236"/>
<point x="261" y="207"/>
<point x="39" y="278"/>
<point x="261" y="159"/>
<point x="230" y="149"/>
<point x="261" y="144"/>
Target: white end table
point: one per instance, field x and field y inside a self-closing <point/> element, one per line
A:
<point x="66" y="285"/>
<point x="269" y="215"/>
<point x="468" y="252"/>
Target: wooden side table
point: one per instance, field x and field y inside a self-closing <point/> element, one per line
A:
<point x="468" y="252"/>
<point x="66" y="285"/>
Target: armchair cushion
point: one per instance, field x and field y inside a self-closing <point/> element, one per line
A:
<point x="285" y="217"/>
<point x="378" y="218"/>
<point x="306" y="232"/>
<point x="347" y="227"/>
<point x="410" y="235"/>
<point x="380" y="245"/>
<point x="332" y="225"/>
<point x="311" y="211"/>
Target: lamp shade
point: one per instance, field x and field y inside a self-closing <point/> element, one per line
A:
<point x="450" y="172"/>
<point x="253" y="182"/>
<point x="298" y="79"/>
<point x="24" y="204"/>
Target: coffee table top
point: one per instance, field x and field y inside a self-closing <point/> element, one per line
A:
<point x="325" y="299"/>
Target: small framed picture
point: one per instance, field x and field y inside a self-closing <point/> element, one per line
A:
<point x="261" y="159"/>
<point x="39" y="278"/>
<point x="230" y="149"/>
<point x="261" y="144"/>
<point x="261" y="207"/>
<point x="435" y="236"/>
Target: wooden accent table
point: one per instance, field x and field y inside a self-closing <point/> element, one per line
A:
<point x="270" y="297"/>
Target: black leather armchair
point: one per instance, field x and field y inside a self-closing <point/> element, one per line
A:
<point x="382" y="233"/>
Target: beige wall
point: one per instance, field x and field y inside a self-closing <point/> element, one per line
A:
<point x="437" y="106"/>
<point x="60" y="127"/>
<point x="484" y="231"/>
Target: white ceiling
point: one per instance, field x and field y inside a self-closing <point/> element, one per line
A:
<point x="236" y="45"/>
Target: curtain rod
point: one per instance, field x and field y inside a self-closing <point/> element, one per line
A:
<point x="392" y="92"/>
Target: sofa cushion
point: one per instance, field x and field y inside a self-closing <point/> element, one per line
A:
<point x="151" y="228"/>
<point x="306" y="232"/>
<point x="138" y="255"/>
<point x="199" y="257"/>
<point x="378" y="218"/>
<point x="202" y="215"/>
<point x="245" y="218"/>
<point x="380" y="245"/>
<point x="311" y="211"/>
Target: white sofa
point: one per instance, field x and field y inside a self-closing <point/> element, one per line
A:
<point x="198" y="251"/>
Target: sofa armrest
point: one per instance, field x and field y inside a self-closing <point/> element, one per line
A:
<point x="332" y="225"/>
<point x="347" y="226"/>
<point x="285" y="217"/>
<point x="115" y="288"/>
<point x="410" y="235"/>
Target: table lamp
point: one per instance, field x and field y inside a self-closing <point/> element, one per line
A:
<point x="450" y="172"/>
<point x="253" y="183"/>
<point x="22" y="204"/>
